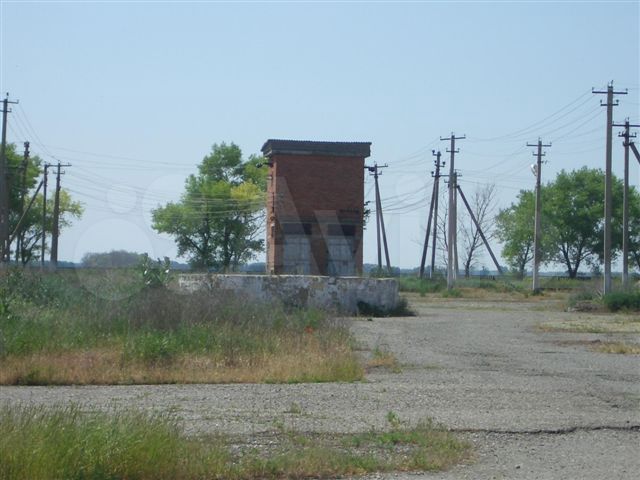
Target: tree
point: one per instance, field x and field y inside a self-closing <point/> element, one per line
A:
<point x="514" y="228"/>
<point x="574" y="213"/>
<point x="634" y="228"/>
<point x="572" y="219"/>
<point x="114" y="258"/>
<point x="27" y="245"/>
<point x="217" y="221"/>
<point x="482" y="204"/>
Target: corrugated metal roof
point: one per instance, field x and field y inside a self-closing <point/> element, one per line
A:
<point x="309" y="147"/>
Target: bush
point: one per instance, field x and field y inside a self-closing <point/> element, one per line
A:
<point x="622" y="301"/>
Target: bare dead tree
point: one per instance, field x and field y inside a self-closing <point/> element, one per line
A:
<point x="483" y="204"/>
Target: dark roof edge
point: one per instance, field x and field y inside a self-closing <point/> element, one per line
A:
<point x="307" y="147"/>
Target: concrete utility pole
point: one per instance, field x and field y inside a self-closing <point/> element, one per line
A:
<point x="625" y="199"/>
<point x="4" y="185"/>
<point x="537" y="232"/>
<point x="436" y="195"/>
<point x="452" y="234"/>
<point x="44" y="214"/>
<point x="56" y="220"/>
<point x="379" y="218"/>
<point x="23" y="194"/>
<point x="608" y="198"/>
<point x="433" y="217"/>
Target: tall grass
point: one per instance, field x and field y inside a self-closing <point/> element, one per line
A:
<point x="38" y="443"/>
<point x="54" y="332"/>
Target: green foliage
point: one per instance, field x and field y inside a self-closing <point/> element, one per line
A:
<point x="572" y="222"/>
<point x="514" y="228"/>
<point x="622" y="301"/>
<point x="155" y="274"/>
<point x="216" y="222"/>
<point x="422" y="285"/>
<point x="30" y="234"/>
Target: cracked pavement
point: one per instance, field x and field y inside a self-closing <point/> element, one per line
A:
<point x="534" y="404"/>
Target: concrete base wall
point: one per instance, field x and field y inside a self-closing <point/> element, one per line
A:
<point x="335" y="293"/>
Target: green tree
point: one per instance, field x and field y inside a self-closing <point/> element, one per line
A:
<point x="217" y="221"/>
<point x="572" y="222"/>
<point x="634" y="228"/>
<point x="29" y="237"/>
<point x="574" y="214"/>
<point x="514" y="228"/>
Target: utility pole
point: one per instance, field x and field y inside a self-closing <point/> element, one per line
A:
<point x="379" y="218"/>
<point x="56" y="220"/>
<point x="625" y="199"/>
<point x="23" y="194"/>
<point x="436" y="196"/>
<point x="537" y="232"/>
<point x="608" y="186"/>
<point x="452" y="234"/>
<point x="4" y="185"/>
<point x="433" y="217"/>
<point x="44" y="214"/>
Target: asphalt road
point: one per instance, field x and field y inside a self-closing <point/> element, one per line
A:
<point x="535" y="404"/>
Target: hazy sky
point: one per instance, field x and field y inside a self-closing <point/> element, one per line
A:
<point x="134" y="94"/>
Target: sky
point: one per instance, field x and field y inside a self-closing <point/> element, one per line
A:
<point x="134" y="94"/>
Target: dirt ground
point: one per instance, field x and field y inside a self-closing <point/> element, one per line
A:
<point x="536" y="403"/>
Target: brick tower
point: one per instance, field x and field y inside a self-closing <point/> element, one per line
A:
<point x="315" y="203"/>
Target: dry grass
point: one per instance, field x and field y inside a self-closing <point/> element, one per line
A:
<point x="594" y="324"/>
<point x="296" y="361"/>
<point x="617" y="347"/>
<point x="382" y="358"/>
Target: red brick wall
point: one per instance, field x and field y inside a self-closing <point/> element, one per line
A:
<point x="314" y="189"/>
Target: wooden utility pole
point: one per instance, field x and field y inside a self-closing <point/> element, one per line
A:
<point x="452" y="234"/>
<point x="4" y="185"/>
<point x="625" y="199"/>
<point x="537" y="232"/>
<point x="55" y="232"/>
<point x="44" y="214"/>
<point x="608" y="184"/>
<point x="433" y="217"/>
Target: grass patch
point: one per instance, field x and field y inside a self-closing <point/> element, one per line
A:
<point x="421" y="285"/>
<point x="617" y="347"/>
<point x="383" y="358"/>
<point x="53" y="332"/>
<point x="38" y="443"/>
<point x="595" y="324"/>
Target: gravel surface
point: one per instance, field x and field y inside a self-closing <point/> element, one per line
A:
<point x="534" y="404"/>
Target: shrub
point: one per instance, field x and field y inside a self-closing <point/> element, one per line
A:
<point x="622" y="301"/>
